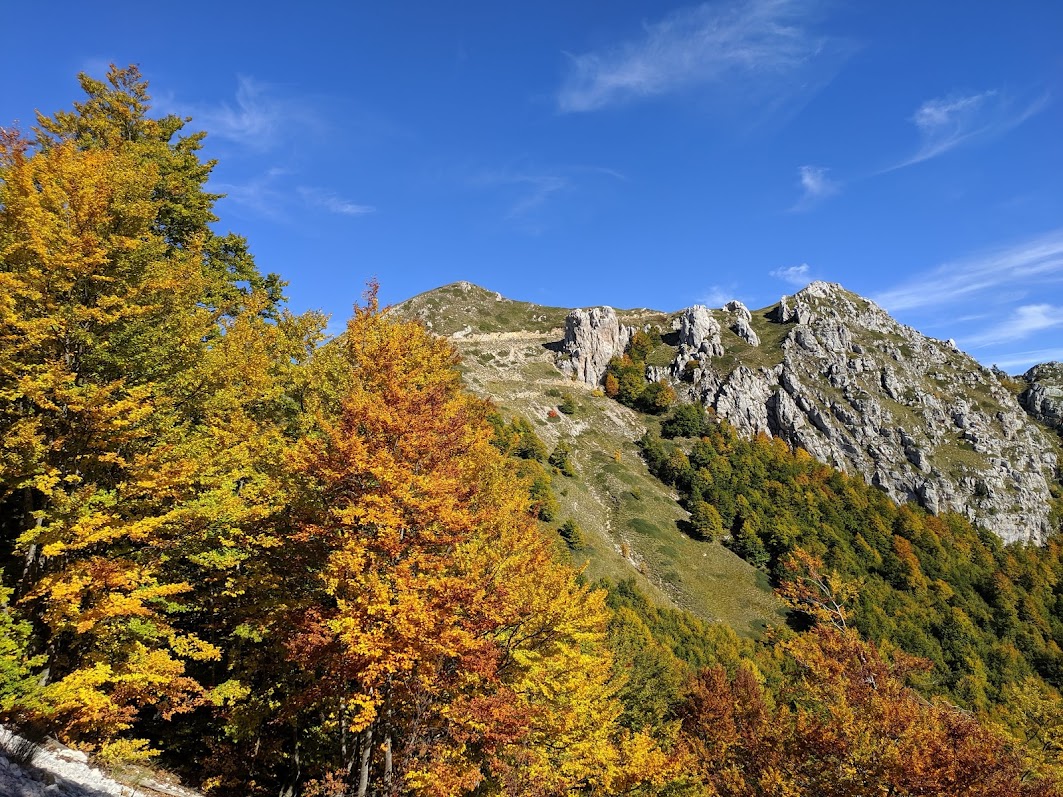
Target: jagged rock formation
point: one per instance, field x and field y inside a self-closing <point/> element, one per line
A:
<point x="741" y="322"/>
<point x="859" y="391"/>
<point x="1043" y="399"/>
<point x="592" y="338"/>
<point x="699" y="332"/>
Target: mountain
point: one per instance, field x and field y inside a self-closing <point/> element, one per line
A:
<point x="631" y="522"/>
<point x="825" y="370"/>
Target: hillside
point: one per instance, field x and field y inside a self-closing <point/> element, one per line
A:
<point x="824" y="370"/>
<point x="631" y="522"/>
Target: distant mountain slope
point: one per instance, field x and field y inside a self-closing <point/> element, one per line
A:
<point x="824" y="369"/>
<point x="833" y="373"/>
<point x="629" y="519"/>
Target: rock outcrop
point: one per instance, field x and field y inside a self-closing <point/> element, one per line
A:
<point x="1043" y="398"/>
<point x="699" y="332"/>
<point x="859" y="391"/>
<point x="592" y="338"/>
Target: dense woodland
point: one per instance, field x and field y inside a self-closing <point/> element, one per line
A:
<point x="285" y="564"/>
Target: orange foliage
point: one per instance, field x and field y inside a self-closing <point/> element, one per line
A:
<point x="450" y="647"/>
<point x="844" y="725"/>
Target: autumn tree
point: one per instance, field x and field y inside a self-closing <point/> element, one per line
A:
<point x="136" y="369"/>
<point x="843" y="722"/>
<point x="437" y="648"/>
<point x="114" y="116"/>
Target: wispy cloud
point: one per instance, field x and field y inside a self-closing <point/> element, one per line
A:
<point x="272" y="196"/>
<point x="261" y="195"/>
<point x="991" y="302"/>
<point x="764" y="45"/>
<point x="332" y="202"/>
<point x="529" y="190"/>
<point x="795" y="275"/>
<point x="539" y="188"/>
<point x="252" y="120"/>
<point x="717" y="296"/>
<point x="258" y="117"/>
<point x="1024" y="359"/>
<point x="1014" y="270"/>
<point x="816" y="186"/>
<point x="1023" y="322"/>
<point x="945" y="123"/>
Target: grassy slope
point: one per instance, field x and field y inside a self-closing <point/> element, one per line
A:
<point x="629" y="519"/>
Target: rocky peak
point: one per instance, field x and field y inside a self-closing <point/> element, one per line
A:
<point x="592" y="338"/>
<point x="699" y="331"/>
<point x="737" y="308"/>
<point x="818" y="289"/>
<point x="842" y="379"/>
<point x="741" y="322"/>
<point x="1043" y="396"/>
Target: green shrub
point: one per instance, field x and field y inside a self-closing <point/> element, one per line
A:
<point x="560" y="458"/>
<point x="572" y="534"/>
<point x="685" y="420"/>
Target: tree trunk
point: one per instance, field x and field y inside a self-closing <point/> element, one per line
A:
<point x="366" y="745"/>
<point x="387" y="764"/>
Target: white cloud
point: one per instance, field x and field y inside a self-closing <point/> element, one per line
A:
<point x="945" y="123"/>
<point x="816" y="185"/>
<point x="1022" y="360"/>
<point x="1024" y="321"/>
<point x="1014" y="270"/>
<point x="795" y="275"/>
<point x="270" y="195"/>
<point x="261" y="195"/>
<point x="258" y="118"/>
<point x="539" y="189"/>
<point x="717" y="296"/>
<point x="328" y="200"/>
<point x="253" y="120"/>
<point x="992" y="302"/>
<point x="756" y="43"/>
<point x="529" y="190"/>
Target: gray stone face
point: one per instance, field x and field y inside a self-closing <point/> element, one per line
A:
<point x="739" y="322"/>
<point x="859" y="391"/>
<point x="739" y="309"/>
<point x="1043" y="398"/>
<point x="592" y="338"/>
<point x="742" y="328"/>
<point x="911" y="414"/>
<point x="699" y="331"/>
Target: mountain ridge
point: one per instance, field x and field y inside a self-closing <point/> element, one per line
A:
<point x="824" y="369"/>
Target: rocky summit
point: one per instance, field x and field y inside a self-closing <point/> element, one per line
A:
<point x="831" y="372"/>
<point x="1043" y="396"/>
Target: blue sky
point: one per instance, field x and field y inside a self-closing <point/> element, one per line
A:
<point x="622" y="152"/>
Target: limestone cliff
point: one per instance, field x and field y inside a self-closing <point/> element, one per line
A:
<point x="833" y="373"/>
<point x="1043" y="397"/>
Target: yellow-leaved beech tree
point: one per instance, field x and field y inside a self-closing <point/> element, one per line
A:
<point x="141" y="364"/>
<point x="84" y="281"/>
<point x="432" y="644"/>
